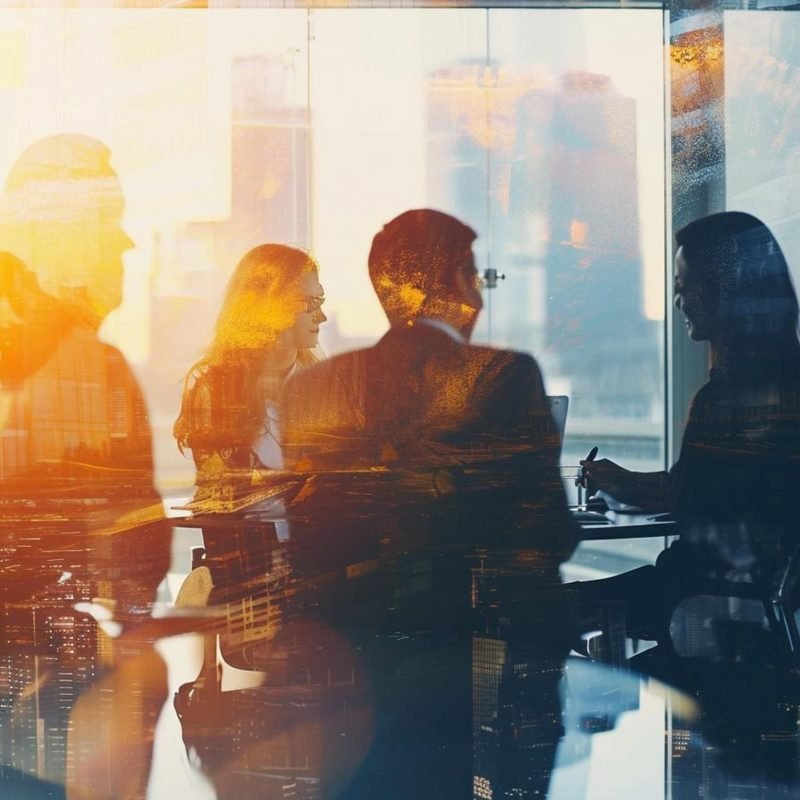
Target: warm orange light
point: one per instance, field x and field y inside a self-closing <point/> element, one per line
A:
<point x="697" y="52"/>
<point x="578" y="234"/>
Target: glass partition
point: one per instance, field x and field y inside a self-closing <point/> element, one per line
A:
<point x="542" y="129"/>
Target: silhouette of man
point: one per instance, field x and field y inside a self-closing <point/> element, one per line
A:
<point x="431" y="465"/>
<point x="80" y="518"/>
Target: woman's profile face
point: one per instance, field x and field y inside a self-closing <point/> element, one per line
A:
<point x="304" y="334"/>
<point x="693" y="301"/>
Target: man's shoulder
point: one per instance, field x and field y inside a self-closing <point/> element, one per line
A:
<point x="84" y="354"/>
<point x="501" y="355"/>
<point x="497" y="363"/>
<point x="490" y="364"/>
<point x="324" y="371"/>
<point x="326" y="394"/>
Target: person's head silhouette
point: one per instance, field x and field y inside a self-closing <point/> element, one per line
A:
<point x="422" y="266"/>
<point x="61" y="214"/>
<point x="732" y="282"/>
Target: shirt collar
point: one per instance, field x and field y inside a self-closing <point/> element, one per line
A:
<point x="439" y="324"/>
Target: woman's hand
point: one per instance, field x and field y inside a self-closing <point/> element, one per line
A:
<point x="606" y="476"/>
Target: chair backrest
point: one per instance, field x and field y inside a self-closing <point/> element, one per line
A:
<point x="736" y="620"/>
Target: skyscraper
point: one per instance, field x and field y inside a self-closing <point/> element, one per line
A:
<point x="545" y="169"/>
<point x="268" y="203"/>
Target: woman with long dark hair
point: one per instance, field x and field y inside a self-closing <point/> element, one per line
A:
<point x="711" y="600"/>
<point x="737" y="469"/>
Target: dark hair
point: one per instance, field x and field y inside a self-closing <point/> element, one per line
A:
<point x="414" y="260"/>
<point x="738" y="260"/>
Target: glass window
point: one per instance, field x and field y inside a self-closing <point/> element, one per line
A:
<point x="543" y="129"/>
<point x="762" y="112"/>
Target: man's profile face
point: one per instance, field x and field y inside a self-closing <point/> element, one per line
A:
<point x="693" y="300"/>
<point x="78" y="252"/>
<point x="62" y="217"/>
<point x="461" y="301"/>
<point x="107" y="242"/>
<point x="467" y="282"/>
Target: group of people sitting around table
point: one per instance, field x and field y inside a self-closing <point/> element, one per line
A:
<point x="417" y="480"/>
<point x="262" y="398"/>
<point x="395" y="517"/>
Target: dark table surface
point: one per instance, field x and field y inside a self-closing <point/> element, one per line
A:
<point x="620" y="525"/>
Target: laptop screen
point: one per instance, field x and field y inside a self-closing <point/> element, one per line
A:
<point x="559" y="403"/>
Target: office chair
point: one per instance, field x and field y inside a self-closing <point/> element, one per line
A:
<point x="735" y="647"/>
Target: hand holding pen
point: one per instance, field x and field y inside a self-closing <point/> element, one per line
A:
<point x="581" y="477"/>
<point x="604" y="475"/>
<point x="581" y="480"/>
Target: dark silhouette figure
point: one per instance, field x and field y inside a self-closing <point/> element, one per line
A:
<point x="738" y="463"/>
<point x="80" y="519"/>
<point x="432" y="509"/>
<point x="731" y="489"/>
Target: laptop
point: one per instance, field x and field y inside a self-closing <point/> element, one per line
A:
<point x="559" y="404"/>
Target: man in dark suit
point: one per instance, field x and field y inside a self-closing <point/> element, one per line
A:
<point x="432" y="502"/>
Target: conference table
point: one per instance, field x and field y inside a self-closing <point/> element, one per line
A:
<point x="624" y="525"/>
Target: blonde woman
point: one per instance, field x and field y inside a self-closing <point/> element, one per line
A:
<point x="268" y="327"/>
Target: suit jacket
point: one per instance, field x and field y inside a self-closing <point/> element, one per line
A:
<point x="426" y="458"/>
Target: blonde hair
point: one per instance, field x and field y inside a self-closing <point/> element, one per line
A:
<point x="226" y="391"/>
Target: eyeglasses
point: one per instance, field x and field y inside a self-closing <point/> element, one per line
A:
<point x="312" y="304"/>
